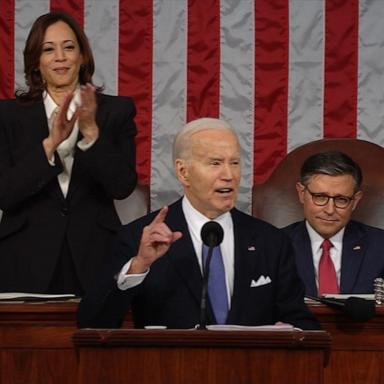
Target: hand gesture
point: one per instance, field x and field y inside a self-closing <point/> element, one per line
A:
<point x="61" y="126"/>
<point x="155" y="241"/>
<point x="87" y="113"/>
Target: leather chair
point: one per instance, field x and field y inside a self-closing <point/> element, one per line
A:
<point x="276" y="200"/>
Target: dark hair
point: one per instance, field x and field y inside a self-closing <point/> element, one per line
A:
<point x="33" y="49"/>
<point x="332" y="163"/>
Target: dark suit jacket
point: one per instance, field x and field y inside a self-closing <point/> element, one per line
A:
<point x="36" y="217"/>
<point x="362" y="258"/>
<point x="170" y="294"/>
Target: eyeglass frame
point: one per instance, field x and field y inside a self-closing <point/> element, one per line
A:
<point x="319" y="194"/>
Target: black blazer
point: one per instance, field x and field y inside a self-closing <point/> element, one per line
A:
<point x="362" y="258"/>
<point x="170" y="293"/>
<point x="36" y="217"/>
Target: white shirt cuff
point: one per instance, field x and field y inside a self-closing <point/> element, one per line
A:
<point x="83" y="145"/>
<point x="125" y="281"/>
<point x="51" y="161"/>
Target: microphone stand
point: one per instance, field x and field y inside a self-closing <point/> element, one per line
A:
<point x="204" y="291"/>
<point x="358" y="309"/>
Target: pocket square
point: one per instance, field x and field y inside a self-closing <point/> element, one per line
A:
<point x="262" y="280"/>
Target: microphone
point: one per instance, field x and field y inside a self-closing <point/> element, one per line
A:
<point x="356" y="308"/>
<point x="212" y="235"/>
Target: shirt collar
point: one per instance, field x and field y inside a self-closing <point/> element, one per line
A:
<point x="196" y="220"/>
<point x="317" y="240"/>
<point x="50" y="104"/>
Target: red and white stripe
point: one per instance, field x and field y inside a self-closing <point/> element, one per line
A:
<point x="283" y="72"/>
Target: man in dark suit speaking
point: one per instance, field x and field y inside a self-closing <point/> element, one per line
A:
<point x="156" y="268"/>
<point x="334" y="254"/>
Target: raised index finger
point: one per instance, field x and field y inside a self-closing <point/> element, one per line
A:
<point x="160" y="216"/>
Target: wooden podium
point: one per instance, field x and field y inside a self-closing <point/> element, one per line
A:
<point x="36" y="345"/>
<point x="206" y="357"/>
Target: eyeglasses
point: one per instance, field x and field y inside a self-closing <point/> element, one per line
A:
<point x="322" y="199"/>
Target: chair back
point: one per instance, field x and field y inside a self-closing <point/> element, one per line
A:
<point x="276" y="200"/>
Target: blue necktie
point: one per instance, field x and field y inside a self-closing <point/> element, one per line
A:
<point x="217" y="289"/>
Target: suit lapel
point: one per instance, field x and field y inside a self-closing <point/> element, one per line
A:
<point x="304" y="258"/>
<point x="246" y="252"/>
<point x="34" y="122"/>
<point x="76" y="173"/>
<point x="353" y="254"/>
<point x="77" y="170"/>
<point x="34" y="128"/>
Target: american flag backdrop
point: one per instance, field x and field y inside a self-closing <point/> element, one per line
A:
<point x="283" y="72"/>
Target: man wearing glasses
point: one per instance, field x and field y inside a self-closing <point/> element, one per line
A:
<point x="334" y="254"/>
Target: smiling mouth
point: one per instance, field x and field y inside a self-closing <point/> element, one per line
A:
<point x="61" y="70"/>
<point x="328" y="220"/>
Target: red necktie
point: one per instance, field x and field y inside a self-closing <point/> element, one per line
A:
<point x="327" y="273"/>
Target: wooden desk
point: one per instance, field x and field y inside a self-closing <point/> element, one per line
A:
<point x="206" y="357"/>
<point x="35" y="342"/>
<point x="357" y="355"/>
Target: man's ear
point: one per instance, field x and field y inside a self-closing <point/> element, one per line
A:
<point x="357" y="197"/>
<point x="181" y="169"/>
<point x="300" y="188"/>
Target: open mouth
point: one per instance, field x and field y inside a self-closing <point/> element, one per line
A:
<point x="224" y="191"/>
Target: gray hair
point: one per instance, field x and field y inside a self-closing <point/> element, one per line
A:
<point x="182" y="142"/>
<point x="332" y="163"/>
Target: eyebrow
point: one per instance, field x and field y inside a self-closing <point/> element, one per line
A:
<point x="61" y="42"/>
<point x="223" y="159"/>
<point x="328" y="195"/>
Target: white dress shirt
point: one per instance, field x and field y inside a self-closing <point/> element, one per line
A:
<point x="335" y="251"/>
<point x="195" y="221"/>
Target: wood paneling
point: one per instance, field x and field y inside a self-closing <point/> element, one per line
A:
<point x="206" y="357"/>
<point x="357" y="355"/>
<point x="36" y="347"/>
